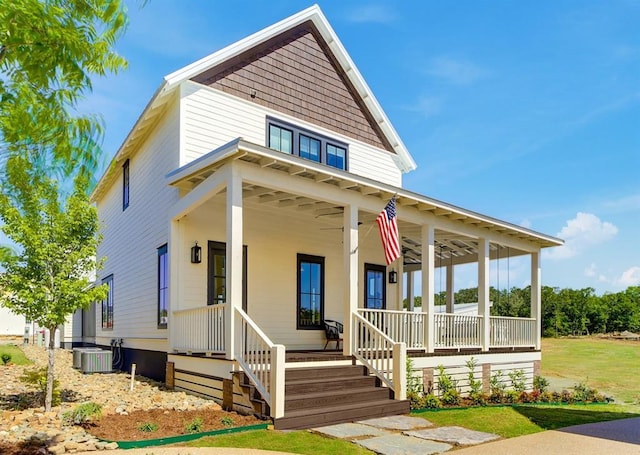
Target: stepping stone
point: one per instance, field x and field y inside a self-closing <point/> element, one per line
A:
<point x="397" y="444"/>
<point x="349" y="431"/>
<point x="454" y="435"/>
<point x="398" y="423"/>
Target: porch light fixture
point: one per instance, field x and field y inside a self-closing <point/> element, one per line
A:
<point x="393" y="277"/>
<point x="196" y="254"/>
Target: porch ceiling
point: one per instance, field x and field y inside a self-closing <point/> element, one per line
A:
<point x="450" y="246"/>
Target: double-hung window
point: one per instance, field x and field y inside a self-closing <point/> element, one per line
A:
<point x="163" y="286"/>
<point x="310" y="292"/>
<point x="306" y="144"/>
<point x="107" y="304"/>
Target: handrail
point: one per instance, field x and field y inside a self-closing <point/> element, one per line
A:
<point x="199" y="329"/>
<point x="382" y="355"/>
<point x="262" y="361"/>
<point x="405" y="326"/>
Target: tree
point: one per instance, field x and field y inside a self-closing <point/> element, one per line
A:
<point x="48" y="51"/>
<point x="49" y="277"/>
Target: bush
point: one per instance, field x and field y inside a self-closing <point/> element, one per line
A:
<point x="518" y="380"/>
<point x="476" y="394"/>
<point x="6" y="358"/>
<point x="38" y="378"/>
<point x="540" y="384"/>
<point x="148" y="427"/>
<point x="448" y="388"/>
<point x="227" y="421"/>
<point x="430" y="401"/>
<point x="82" y="414"/>
<point x="497" y="387"/>
<point x="194" y="426"/>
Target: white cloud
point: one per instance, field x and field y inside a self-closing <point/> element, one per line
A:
<point x="625" y="204"/>
<point x="427" y="106"/>
<point x="377" y="14"/>
<point x="630" y="277"/>
<point x="580" y="233"/>
<point x="457" y="72"/>
<point x="591" y="271"/>
<point x="526" y="223"/>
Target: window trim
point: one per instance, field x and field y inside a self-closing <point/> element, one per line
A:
<point x="163" y="252"/>
<point x="314" y="260"/>
<point x="297" y="132"/>
<point x="126" y="187"/>
<point x="107" y="304"/>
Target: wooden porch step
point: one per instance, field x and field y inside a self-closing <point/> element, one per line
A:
<point x="321" y="383"/>
<point x="294" y="374"/>
<point x="335" y="397"/>
<point x="318" y="417"/>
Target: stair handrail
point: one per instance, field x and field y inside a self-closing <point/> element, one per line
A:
<point x="263" y="363"/>
<point x="384" y="357"/>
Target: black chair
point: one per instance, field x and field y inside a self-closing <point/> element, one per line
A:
<point x="333" y="330"/>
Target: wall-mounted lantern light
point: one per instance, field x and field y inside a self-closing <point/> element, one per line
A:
<point x="196" y="254"/>
<point x="393" y="277"/>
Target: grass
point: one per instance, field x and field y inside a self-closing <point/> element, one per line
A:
<point x="17" y="356"/>
<point x="611" y="366"/>
<point x="302" y="442"/>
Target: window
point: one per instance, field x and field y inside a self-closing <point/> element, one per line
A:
<point x="217" y="274"/>
<point x="280" y="139"/>
<point x="374" y="287"/>
<point x="163" y="286"/>
<point x="107" y="304"/>
<point x="125" y="185"/>
<point x="310" y="292"/>
<point x="309" y="145"/>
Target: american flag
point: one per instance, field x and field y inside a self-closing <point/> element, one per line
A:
<point x="388" y="225"/>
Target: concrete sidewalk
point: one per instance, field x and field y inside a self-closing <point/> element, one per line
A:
<point x="619" y="437"/>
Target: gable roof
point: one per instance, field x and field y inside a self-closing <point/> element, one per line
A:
<point x="157" y="104"/>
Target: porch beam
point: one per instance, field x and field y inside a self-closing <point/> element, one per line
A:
<point x="428" y="285"/>
<point x="211" y="186"/>
<point x="234" y="261"/>
<point x="483" y="291"/>
<point x="351" y="283"/>
<point x="536" y="295"/>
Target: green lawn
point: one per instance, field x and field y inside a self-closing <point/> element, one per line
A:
<point x="611" y="366"/>
<point x="17" y="357"/>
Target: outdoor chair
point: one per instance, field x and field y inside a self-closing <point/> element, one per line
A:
<point x="333" y="331"/>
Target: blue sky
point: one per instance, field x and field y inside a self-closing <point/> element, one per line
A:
<point x="527" y="111"/>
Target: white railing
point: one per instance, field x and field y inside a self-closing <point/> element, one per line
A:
<point x="512" y="332"/>
<point x="457" y="330"/>
<point x="405" y="326"/>
<point x="262" y="361"/>
<point x="199" y="329"/>
<point x="383" y="356"/>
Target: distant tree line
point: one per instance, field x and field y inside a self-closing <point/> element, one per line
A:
<point x="564" y="311"/>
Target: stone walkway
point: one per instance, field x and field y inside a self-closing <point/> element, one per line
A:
<point x="404" y="435"/>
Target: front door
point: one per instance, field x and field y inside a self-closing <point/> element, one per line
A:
<point x="217" y="274"/>
<point x="375" y="291"/>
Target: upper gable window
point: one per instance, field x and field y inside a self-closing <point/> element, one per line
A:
<point x="125" y="185"/>
<point x="306" y="144"/>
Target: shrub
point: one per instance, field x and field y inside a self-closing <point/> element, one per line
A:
<point x="6" y="358"/>
<point x="540" y="384"/>
<point x="227" y="421"/>
<point x="38" y="378"/>
<point x="413" y="383"/>
<point x="430" y="401"/>
<point x="447" y="387"/>
<point x="497" y="387"/>
<point x="518" y="380"/>
<point x="148" y="427"/>
<point x="82" y="414"/>
<point x="194" y="426"/>
<point x="476" y="395"/>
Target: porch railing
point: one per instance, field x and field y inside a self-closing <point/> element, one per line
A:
<point x="512" y="332"/>
<point x="383" y="356"/>
<point x="199" y="329"/>
<point x="262" y="361"/>
<point x="457" y="330"/>
<point x="405" y="326"/>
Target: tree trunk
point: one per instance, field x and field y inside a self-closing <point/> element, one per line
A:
<point x="48" y="398"/>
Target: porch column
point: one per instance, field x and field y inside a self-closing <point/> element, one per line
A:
<point x="428" y="285"/>
<point x="234" y="262"/>
<point x="410" y="290"/>
<point x="483" y="292"/>
<point x="351" y="282"/>
<point x="175" y="256"/>
<point x="399" y="286"/>
<point x="450" y="293"/>
<point x="536" y="295"/>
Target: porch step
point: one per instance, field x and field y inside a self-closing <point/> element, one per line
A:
<point x="321" y="396"/>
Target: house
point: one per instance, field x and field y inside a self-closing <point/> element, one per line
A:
<point x="239" y="213"/>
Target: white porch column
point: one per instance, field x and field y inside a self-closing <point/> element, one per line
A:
<point x="410" y="291"/>
<point x="450" y="293"/>
<point x="536" y="295"/>
<point x="175" y="258"/>
<point x="351" y="282"/>
<point x="399" y="286"/>
<point x="234" y="261"/>
<point x="428" y="284"/>
<point x="483" y="291"/>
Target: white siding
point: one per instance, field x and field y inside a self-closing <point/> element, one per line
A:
<point x="11" y="323"/>
<point x="211" y="118"/>
<point x="132" y="236"/>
